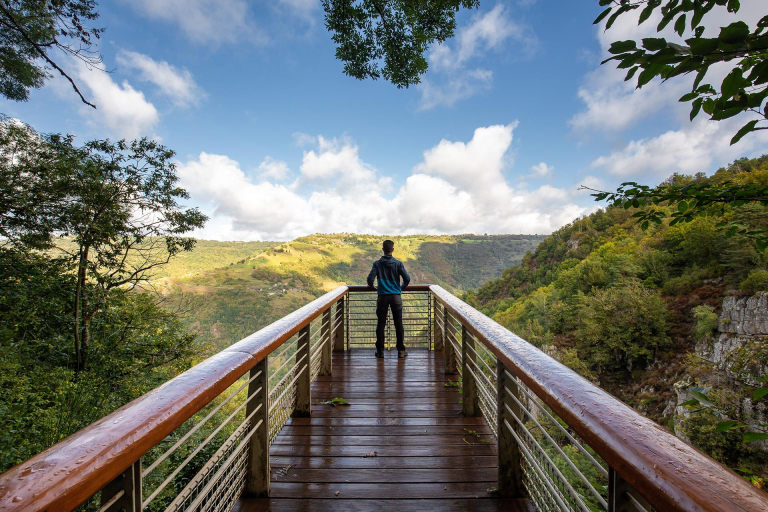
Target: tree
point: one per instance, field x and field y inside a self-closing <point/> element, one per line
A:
<point x="117" y="204"/>
<point x="743" y="90"/>
<point x="397" y="32"/>
<point x="31" y="30"/>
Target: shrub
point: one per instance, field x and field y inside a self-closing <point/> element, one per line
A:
<point x="706" y="321"/>
<point x="756" y="281"/>
<point x="687" y="282"/>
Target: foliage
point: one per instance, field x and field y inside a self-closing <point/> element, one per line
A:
<point x="706" y="320"/>
<point x="737" y="196"/>
<point x="388" y="38"/>
<point x="756" y="281"/>
<point x="621" y="326"/>
<point x="31" y="30"/>
<point x="744" y="89"/>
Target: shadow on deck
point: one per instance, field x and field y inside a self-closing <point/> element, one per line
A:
<point x="427" y="455"/>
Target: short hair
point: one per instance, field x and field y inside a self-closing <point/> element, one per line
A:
<point x="388" y="246"/>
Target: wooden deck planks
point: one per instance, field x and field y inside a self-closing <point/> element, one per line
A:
<point x="428" y="456"/>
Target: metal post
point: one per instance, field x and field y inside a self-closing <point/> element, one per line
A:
<point x="338" y="333"/>
<point x="326" y="340"/>
<point x="124" y="492"/>
<point x="510" y="458"/>
<point x="303" y="407"/>
<point x="257" y="478"/>
<point x="436" y="331"/>
<point x="622" y="497"/>
<point x="451" y="367"/>
<point x="469" y="397"/>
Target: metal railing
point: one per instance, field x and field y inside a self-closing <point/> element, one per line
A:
<point x="201" y="441"/>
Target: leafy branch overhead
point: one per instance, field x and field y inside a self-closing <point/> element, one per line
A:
<point x="31" y="30"/>
<point x="744" y="89"/>
<point x="388" y="38"/>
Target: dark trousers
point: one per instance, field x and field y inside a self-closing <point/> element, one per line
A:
<point x="383" y="303"/>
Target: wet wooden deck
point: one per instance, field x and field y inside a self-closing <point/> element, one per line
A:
<point x="402" y="444"/>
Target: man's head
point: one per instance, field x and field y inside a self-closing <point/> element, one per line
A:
<point x="388" y="247"/>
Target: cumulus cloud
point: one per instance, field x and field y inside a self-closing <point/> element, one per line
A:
<point x="697" y="147"/>
<point x="206" y="21"/>
<point x="176" y="84"/>
<point x="449" y="62"/>
<point x="458" y="187"/>
<point x="272" y="169"/>
<point x="541" y="170"/>
<point x="121" y="109"/>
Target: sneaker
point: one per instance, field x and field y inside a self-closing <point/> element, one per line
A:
<point x="380" y="355"/>
<point x="401" y="354"/>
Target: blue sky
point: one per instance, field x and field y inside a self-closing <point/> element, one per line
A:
<point x="273" y="141"/>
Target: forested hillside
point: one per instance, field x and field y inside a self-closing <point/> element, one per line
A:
<point x="637" y="311"/>
<point x="226" y="304"/>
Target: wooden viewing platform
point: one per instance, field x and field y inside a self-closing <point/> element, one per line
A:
<point x="245" y="429"/>
<point x="428" y="456"/>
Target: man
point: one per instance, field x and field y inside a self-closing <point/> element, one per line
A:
<point x="388" y="271"/>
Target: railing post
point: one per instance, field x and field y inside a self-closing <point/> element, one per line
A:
<point x="622" y="497"/>
<point x="124" y="492"/>
<point x="451" y="368"/>
<point x="510" y="458"/>
<point x="257" y="479"/>
<point x="469" y="397"/>
<point x="326" y="340"/>
<point x="436" y="331"/>
<point x="303" y="407"/>
<point x="341" y="320"/>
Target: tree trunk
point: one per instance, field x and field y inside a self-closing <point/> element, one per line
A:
<point x="80" y="333"/>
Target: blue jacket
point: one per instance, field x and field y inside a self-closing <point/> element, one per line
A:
<point x="389" y="270"/>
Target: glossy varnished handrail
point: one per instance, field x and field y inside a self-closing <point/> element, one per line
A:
<point x="67" y="474"/>
<point x="670" y="474"/>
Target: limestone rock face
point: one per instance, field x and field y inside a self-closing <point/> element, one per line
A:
<point x="745" y="316"/>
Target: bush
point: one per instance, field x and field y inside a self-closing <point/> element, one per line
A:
<point x="687" y="282"/>
<point x="706" y="321"/>
<point x="621" y="326"/>
<point x="756" y="281"/>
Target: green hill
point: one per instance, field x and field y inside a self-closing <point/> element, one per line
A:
<point x="637" y="311"/>
<point x="225" y="304"/>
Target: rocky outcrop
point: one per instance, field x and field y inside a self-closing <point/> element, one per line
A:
<point x="746" y="316"/>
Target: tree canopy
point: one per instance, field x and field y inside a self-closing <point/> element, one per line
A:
<point x="31" y="30"/>
<point x="388" y="38"/>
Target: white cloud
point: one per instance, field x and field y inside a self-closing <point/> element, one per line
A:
<point x="457" y="188"/>
<point x="121" y="109"/>
<point x="274" y="169"/>
<point x="541" y="170"/>
<point x="205" y="21"/>
<point x="450" y="79"/>
<point x="697" y="147"/>
<point x="177" y="84"/>
<point x="484" y="32"/>
<point x="464" y="85"/>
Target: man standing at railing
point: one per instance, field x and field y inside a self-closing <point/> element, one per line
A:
<point x="388" y="271"/>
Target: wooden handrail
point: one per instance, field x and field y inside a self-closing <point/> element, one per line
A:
<point x="670" y="474"/>
<point x="67" y="474"/>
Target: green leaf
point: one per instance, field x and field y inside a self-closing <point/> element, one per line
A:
<point x="703" y="45"/>
<point x="724" y="426"/>
<point x="732" y="83"/>
<point x="688" y="403"/>
<point x="335" y="401"/>
<point x="733" y="5"/>
<point x="645" y="14"/>
<point x="702" y="399"/>
<point x="647" y="75"/>
<point x="750" y="126"/>
<point x="759" y="394"/>
<point x="602" y="15"/>
<point x="631" y="73"/>
<point x="696" y="107"/>
<point x="751" y="437"/>
<point x="682" y="206"/>
<point x="654" y="44"/>
<point x="680" y="24"/>
<point x="622" y="46"/>
<point x="735" y="33"/>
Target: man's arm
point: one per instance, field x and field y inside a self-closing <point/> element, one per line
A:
<point x="372" y="275"/>
<point x="405" y="276"/>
